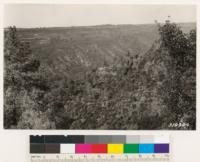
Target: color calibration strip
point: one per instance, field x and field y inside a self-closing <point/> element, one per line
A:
<point x="98" y="144"/>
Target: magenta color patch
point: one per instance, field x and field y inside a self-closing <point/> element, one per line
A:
<point x="83" y="148"/>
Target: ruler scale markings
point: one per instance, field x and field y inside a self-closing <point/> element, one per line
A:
<point x="99" y="148"/>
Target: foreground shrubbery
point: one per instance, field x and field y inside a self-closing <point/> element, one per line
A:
<point x="148" y="92"/>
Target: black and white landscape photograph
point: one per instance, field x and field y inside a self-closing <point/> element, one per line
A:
<point x="100" y="67"/>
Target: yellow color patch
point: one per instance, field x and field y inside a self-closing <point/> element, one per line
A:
<point x="115" y="148"/>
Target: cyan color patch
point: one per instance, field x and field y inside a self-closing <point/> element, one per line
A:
<point x="146" y="148"/>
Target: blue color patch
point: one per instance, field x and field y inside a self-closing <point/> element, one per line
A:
<point x="146" y="148"/>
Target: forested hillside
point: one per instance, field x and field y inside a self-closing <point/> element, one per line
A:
<point x="71" y="51"/>
<point x="102" y="77"/>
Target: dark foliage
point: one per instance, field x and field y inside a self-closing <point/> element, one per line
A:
<point x="149" y="91"/>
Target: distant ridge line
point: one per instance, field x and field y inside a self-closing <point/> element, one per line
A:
<point x="94" y="26"/>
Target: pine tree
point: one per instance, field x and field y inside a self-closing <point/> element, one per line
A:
<point x="180" y="63"/>
<point x="24" y="86"/>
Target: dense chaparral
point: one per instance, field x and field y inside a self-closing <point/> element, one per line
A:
<point x="104" y="81"/>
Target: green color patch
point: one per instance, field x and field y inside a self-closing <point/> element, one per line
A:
<point x="131" y="148"/>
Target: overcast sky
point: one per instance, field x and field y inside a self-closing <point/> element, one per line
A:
<point x="46" y="15"/>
